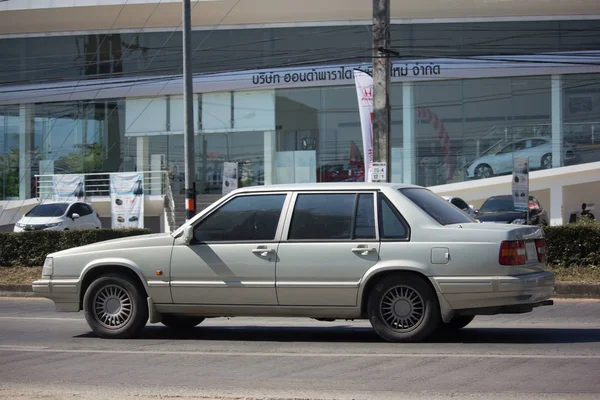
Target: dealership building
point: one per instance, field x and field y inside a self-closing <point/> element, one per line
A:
<point x="94" y="87"/>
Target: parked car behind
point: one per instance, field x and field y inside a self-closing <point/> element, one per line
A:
<point x="501" y="210"/>
<point x="398" y="255"/>
<point x="59" y="216"/>
<point x="538" y="149"/>
<point x="460" y="203"/>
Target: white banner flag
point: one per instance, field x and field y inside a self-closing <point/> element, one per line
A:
<point x="230" y="177"/>
<point x="520" y="183"/>
<point x="127" y="200"/>
<point x="67" y="187"/>
<point x="364" y="90"/>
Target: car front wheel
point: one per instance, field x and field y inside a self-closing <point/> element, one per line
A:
<point x="115" y="308"/>
<point x="403" y="308"/>
<point x="483" y="171"/>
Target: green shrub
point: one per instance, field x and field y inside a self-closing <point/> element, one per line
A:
<point x="573" y="244"/>
<point x="29" y="249"/>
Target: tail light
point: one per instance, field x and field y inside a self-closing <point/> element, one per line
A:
<point x="98" y="215"/>
<point x="513" y="253"/>
<point x="540" y="245"/>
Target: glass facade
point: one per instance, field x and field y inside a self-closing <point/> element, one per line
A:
<point x="458" y="129"/>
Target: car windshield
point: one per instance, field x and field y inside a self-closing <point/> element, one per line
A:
<point x="48" y="210"/>
<point x="493" y="204"/>
<point x="439" y="209"/>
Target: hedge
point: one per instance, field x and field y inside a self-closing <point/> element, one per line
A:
<point x="29" y="249"/>
<point x="573" y="244"/>
<point x="568" y="245"/>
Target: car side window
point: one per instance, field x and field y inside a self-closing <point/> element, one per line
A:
<point x="73" y="210"/>
<point x="460" y="204"/>
<point x="243" y="218"/>
<point x="364" y="226"/>
<point x="333" y="216"/>
<point x="84" y="209"/>
<point x="391" y="224"/>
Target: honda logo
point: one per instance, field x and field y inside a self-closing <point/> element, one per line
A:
<point x="368" y="92"/>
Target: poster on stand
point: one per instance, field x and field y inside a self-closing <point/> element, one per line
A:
<point x="230" y="177"/>
<point x="67" y="187"/>
<point x="520" y="184"/>
<point x="127" y="200"/>
<point x="364" y="91"/>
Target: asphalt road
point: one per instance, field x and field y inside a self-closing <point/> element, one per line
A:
<point x="552" y="353"/>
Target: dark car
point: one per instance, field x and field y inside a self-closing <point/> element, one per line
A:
<point x="501" y="210"/>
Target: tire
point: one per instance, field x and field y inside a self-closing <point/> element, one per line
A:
<point x="458" y="322"/>
<point x="180" y="322"/>
<point x="483" y="171"/>
<point x="403" y="308"/>
<point x="546" y="162"/>
<point x="115" y="308"/>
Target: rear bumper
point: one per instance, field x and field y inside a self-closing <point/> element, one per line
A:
<point x="64" y="293"/>
<point x="502" y="293"/>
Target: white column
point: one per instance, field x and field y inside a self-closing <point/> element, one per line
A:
<point x="25" y="145"/>
<point x="142" y="153"/>
<point x="557" y="121"/>
<point x="408" y="132"/>
<point x="556" y="205"/>
<point x="270" y="146"/>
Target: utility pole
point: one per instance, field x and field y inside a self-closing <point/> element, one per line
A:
<point x="381" y="94"/>
<point x="188" y="114"/>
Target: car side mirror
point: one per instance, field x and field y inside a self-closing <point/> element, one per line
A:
<point x="476" y="212"/>
<point x="188" y="234"/>
<point x="75" y="216"/>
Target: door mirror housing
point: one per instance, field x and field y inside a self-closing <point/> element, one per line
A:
<point x="188" y="234"/>
<point x="75" y="216"/>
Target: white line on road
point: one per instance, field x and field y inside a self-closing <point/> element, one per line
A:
<point x="43" y="318"/>
<point x="33" y="349"/>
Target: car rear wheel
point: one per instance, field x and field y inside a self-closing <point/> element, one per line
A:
<point x="546" y="161"/>
<point x="483" y="171"/>
<point x="180" y="322"/>
<point x="403" y="308"/>
<point x="115" y="308"/>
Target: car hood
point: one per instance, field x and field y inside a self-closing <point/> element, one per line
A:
<point x="501" y="216"/>
<point x="113" y="245"/>
<point x="40" y="220"/>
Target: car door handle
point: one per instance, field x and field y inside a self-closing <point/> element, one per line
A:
<point x="263" y="252"/>
<point x="364" y="251"/>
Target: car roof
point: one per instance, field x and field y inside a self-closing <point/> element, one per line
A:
<point x="341" y="186"/>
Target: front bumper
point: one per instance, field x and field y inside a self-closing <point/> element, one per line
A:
<point x="64" y="293"/>
<point x="481" y="292"/>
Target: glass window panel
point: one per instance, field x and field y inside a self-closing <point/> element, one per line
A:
<point x="365" y="217"/>
<point x="391" y="225"/>
<point x="244" y="218"/>
<point x="322" y="216"/>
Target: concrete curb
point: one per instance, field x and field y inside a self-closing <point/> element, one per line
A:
<point x="8" y="290"/>
<point x="570" y="290"/>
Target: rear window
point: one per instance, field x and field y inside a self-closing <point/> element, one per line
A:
<point x="48" y="210"/>
<point x="437" y="208"/>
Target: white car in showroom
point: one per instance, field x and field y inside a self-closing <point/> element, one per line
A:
<point x="537" y="149"/>
<point x="397" y="255"/>
<point x="59" y="216"/>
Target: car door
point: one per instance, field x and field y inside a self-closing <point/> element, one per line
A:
<point x="503" y="160"/>
<point x="85" y="217"/>
<point x="330" y="241"/>
<point x="231" y="259"/>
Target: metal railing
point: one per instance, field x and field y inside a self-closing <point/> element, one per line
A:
<point x="98" y="184"/>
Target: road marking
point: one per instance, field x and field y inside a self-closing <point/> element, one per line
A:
<point x="33" y="349"/>
<point x="42" y="318"/>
